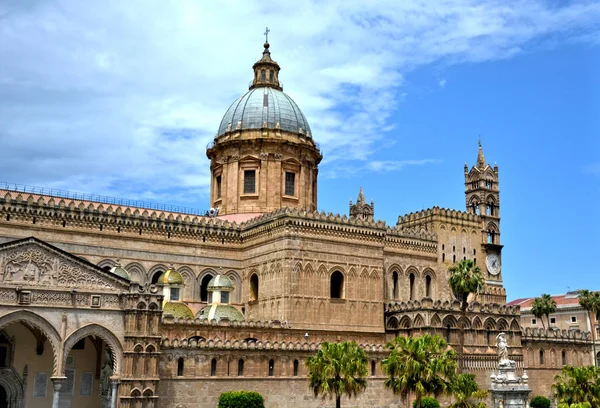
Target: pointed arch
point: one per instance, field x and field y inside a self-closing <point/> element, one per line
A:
<point x="190" y="292"/>
<point x="114" y="344"/>
<point x="449" y="321"/>
<point x="489" y="324"/>
<point x="464" y="323"/>
<point x="237" y="283"/>
<point x="502" y="324"/>
<point x="514" y="325"/>
<point x="308" y="270"/>
<point x="155" y="272"/>
<point x="419" y="321"/>
<point x="436" y="321"/>
<point x="35" y="320"/>
<point x="477" y="323"/>
<point x="393" y="323"/>
<point x="405" y="322"/>
<point x="106" y="264"/>
<point x="137" y="272"/>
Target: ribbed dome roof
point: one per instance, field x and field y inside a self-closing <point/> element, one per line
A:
<point x="264" y="107"/>
<point x="170" y="277"/>
<point x="220" y="282"/>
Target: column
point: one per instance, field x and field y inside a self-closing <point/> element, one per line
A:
<point x="114" y="383"/>
<point x="57" y="383"/>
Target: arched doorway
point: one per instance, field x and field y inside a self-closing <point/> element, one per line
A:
<point x="92" y="355"/>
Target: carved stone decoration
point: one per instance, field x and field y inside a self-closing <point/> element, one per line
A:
<point x="33" y="265"/>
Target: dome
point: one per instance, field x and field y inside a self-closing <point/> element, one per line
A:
<point x="119" y="271"/>
<point x="180" y="310"/>
<point x="264" y="107"/>
<point x="220" y="312"/>
<point x="220" y="282"/>
<point x="170" y="277"/>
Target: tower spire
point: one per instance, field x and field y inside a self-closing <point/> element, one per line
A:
<point x="480" y="157"/>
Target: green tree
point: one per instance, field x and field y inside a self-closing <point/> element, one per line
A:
<point x="539" y="401"/>
<point x="590" y="301"/>
<point x="578" y="385"/>
<point x="543" y="306"/>
<point x="419" y="365"/>
<point x="241" y="399"/>
<point x="466" y="392"/>
<point x="465" y="279"/>
<point x="338" y="369"/>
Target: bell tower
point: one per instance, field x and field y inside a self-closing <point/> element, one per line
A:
<point x="482" y="196"/>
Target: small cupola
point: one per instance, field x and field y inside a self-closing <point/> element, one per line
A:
<point x="219" y="297"/>
<point x="266" y="71"/>
<point x="173" y="285"/>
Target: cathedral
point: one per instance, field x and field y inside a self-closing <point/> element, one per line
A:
<point x="103" y="304"/>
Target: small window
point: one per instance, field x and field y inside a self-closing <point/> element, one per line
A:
<point x="411" y="289"/>
<point x="174" y="293"/>
<point x="428" y="286"/>
<point x="296" y="366"/>
<point x="564" y="357"/>
<point x="395" y="285"/>
<point x="254" y="287"/>
<point x="373" y="368"/>
<point x="249" y="181"/>
<point x="573" y="319"/>
<point x="534" y="321"/>
<point x="336" y="289"/>
<point x="271" y="367"/>
<point x="263" y="75"/>
<point x="218" y="182"/>
<point x="213" y="367"/>
<point x="553" y="320"/>
<point x="271" y="75"/>
<point x="290" y="183"/>
<point x="180" y="367"/>
<point x="240" y="367"/>
<point x="224" y="297"/>
<point x="541" y="357"/>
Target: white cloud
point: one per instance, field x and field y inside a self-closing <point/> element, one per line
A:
<point x="121" y="97"/>
<point x="442" y="83"/>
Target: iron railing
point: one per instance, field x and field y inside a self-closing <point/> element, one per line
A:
<point x="58" y="193"/>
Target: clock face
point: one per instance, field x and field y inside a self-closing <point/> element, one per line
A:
<point x="493" y="264"/>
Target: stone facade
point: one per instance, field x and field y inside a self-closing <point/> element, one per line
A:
<point x="301" y="278"/>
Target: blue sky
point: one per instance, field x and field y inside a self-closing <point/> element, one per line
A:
<point x="121" y="98"/>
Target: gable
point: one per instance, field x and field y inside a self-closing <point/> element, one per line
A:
<point x="30" y="262"/>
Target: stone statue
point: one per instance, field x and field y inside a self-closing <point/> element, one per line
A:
<point x="502" y="348"/>
<point x="105" y="373"/>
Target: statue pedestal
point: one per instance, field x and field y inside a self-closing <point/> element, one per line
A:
<point x="508" y="390"/>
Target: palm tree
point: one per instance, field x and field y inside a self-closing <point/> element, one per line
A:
<point x="465" y="278"/>
<point x="466" y="392"/>
<point x="338" y="369"/>
<point x="543" y="306"/>
<point x="537" y="309"/>
<point x="590" y="301"/>
<point x="577" y="385"/>
<point x="419" y="365"/>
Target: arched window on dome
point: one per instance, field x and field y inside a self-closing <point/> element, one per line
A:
<point x="271" y="75"/>
<point x="263" y="75"/>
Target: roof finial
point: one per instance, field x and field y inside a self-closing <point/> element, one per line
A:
<point x="267" y="31"/>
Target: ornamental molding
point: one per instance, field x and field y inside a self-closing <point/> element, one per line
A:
<point x="31" y="263"/>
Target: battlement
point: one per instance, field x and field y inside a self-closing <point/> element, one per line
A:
<point x="454" y="306"/>
<point x="540" y="334"/>
<point x="438" y="212"/>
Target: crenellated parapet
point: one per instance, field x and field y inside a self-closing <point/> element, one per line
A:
<point x="445" y="213"/>
<point x="556" y="335"/>
<point x="68" y="213"/>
